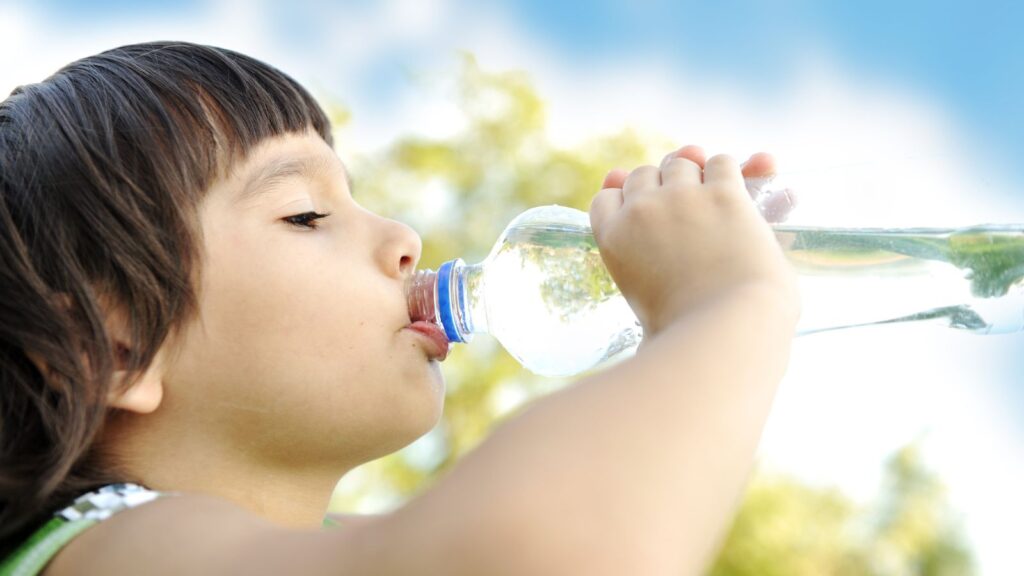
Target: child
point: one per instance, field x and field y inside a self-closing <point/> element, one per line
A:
<point x="201" y="331"/>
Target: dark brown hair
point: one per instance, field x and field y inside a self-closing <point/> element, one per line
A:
<point x="102" y="168"/>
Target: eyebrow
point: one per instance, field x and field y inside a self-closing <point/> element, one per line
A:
<point x="278" y="169"/>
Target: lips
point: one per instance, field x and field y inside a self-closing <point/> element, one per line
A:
<point x="435" y="335"/>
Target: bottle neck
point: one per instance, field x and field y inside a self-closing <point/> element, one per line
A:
<point x="469" y="280"/>
<point x="461" y="309"/>
<point x="452" y="298"/>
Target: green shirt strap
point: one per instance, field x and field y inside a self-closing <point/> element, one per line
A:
<point x="31" y="557"/>
<point x="87" y="510"/>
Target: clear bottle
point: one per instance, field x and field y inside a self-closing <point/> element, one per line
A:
<point x="543" y="291"/>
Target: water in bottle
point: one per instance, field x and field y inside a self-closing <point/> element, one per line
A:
<point x="543" y="291"/>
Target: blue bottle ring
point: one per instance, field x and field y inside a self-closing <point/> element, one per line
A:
<point x="445" y="310"/>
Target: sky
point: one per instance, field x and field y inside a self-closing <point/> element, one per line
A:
<point x="895" y="113"/>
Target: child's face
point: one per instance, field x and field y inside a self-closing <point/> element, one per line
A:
<point x="300" y="353"/>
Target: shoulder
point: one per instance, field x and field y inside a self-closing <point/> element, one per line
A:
<point x="151" y="537"/>
<point x="64" y="525"/>
<point x="200" y="534"/>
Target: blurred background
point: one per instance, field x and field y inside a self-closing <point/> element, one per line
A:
<point x="890" y="450"/>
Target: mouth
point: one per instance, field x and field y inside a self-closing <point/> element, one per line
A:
<point x="438" y="345"/>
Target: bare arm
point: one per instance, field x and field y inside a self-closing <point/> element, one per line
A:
<point x="633" y="471"/>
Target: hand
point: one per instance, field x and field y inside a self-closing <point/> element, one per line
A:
<point x="679" y="236"/>
<point x="758" y="171"/>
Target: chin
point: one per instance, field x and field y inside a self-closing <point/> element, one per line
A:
<point x="427" y="418"/>
<point x="406" y="424"/>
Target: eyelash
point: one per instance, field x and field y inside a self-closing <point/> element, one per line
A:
<point x="306" y="220"/>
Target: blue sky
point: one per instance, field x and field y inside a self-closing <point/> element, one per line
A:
<point x="967" y="54"/>
<point x="815" y="79"/>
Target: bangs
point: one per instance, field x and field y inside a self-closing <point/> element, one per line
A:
<point x="196" y="109"/>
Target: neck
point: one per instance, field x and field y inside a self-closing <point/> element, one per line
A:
<point x="191" y="460"/>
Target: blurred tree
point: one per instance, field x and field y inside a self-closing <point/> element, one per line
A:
<point x="785" y="528"/>
<point x="912" y="530"/>
<point x="460" y="191"/>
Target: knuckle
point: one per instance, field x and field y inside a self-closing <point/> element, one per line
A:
<point x="722" y="159"/>
<point x="641" y="178"/>
<point x="641" y="172"/>
<point x="679" y="163"/>
<point x="643" y="209"/>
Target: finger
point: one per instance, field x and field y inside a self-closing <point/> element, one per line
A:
<point x="692" y="153"/>
<point x="615" y="178"/>
<point x="777" y="205"/>
<point x="760" y="165"/>
<point x="722" y="169"/>
<point x="603" y="206"/>
<point x="644" y="178"/>
<point x="681" y="173"/>
<point x="758" y="172"/>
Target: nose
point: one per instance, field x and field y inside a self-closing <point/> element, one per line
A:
<point x="401" y="249"/>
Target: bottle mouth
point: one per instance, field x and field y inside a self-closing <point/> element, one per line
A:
<point x="436" y="297"/>
<point x="421" y="296"/>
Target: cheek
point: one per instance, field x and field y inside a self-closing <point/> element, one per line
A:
<point x="286" y="305"/>
<point x="270" y="300"/>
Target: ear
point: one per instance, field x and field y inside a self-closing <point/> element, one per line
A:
<point x="147" y="391"/>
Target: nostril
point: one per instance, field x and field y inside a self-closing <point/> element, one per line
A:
<point x="405" y="264"/>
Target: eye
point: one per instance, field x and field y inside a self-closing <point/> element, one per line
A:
<point x="306" y="220"/>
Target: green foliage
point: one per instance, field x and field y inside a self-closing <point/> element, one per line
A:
<point x="481" y="177"/>
<point x="913" y="532"/>
<point x="993" y="258"/>
<point x="785" y="528"/>
<point x="989" y="256"/>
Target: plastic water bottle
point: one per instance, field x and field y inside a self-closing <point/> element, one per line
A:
<point x="543" y="291"/>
